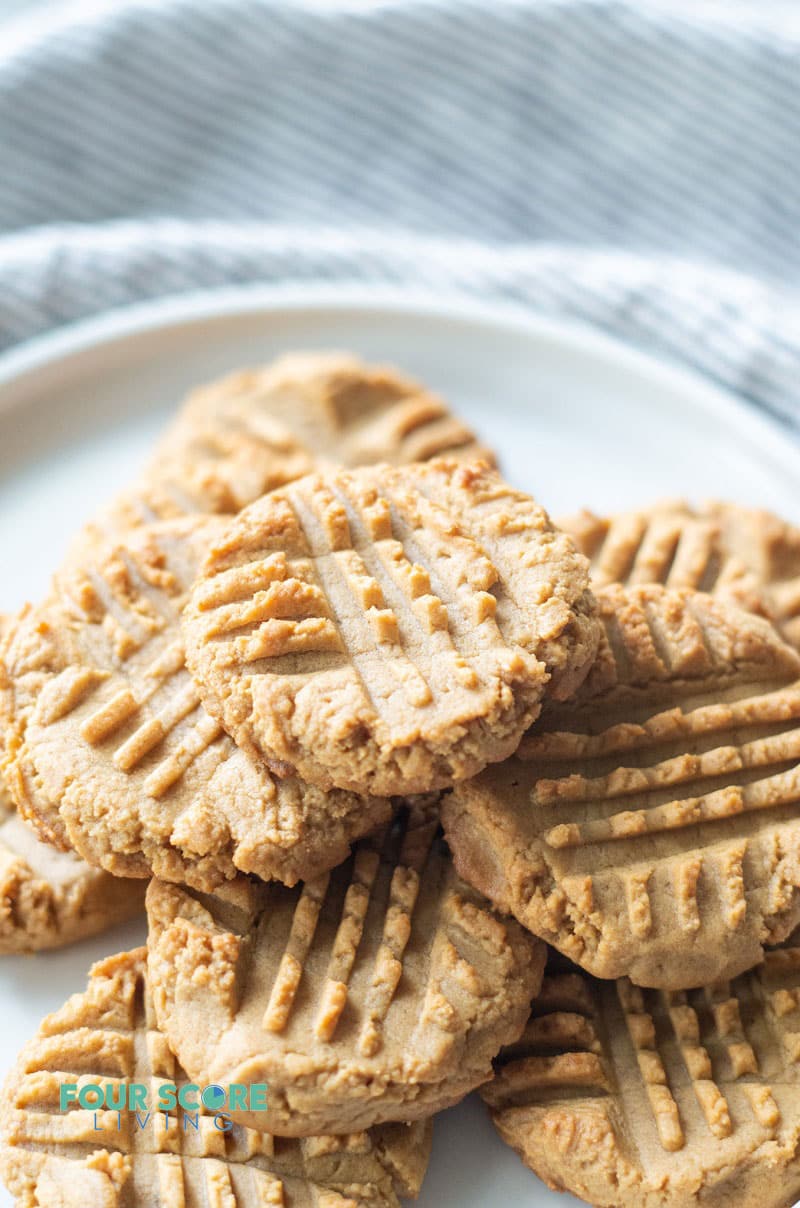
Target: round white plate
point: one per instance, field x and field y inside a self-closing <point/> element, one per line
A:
<point x="576" y="418"/>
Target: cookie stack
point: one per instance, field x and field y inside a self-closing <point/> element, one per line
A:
<point x="347" y="701"/>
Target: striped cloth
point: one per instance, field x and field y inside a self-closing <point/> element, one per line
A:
<point x="633" y="163"/>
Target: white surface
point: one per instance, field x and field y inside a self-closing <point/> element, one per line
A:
<point x="576" y="419"/>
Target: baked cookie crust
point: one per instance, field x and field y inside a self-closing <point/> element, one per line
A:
<point x="388" y="630"/>
<point x="50" y="898"/>
<point x="649" y="828"/>
<point x="746" y="555"/>
<point x="381" y="992"/>
<point x="111" y="752"/>
<point x="108" y="1035"/>
<point x="659" y="1099"/>
<point x="255" y="430"/>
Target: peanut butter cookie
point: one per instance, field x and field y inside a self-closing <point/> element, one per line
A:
<point x="110" y="750"/>
<point x="747" y="555"/>
<point x="255" y="430"/>
<point x="659" y="1099"/>
<point x="388" y="630"/>
<point x="50" y="898"/>
<point x="380" y="992"/>
<point x="650" y="827"/>
<point x="108" y="1037"/>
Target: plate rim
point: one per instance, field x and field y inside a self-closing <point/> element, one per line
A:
<point x="97" y="335"/>
<point x="31" y="368"/>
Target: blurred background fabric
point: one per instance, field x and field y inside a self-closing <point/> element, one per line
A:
<point x="630" y="163"/>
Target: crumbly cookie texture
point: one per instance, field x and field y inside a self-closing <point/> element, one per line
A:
<point x="659" y="1099"/>
<point x="259" y="429"/>
<point x="111" y="751"/>
<point x="650" y="827"/>
<point x="389" y="630"/>
<point x="50" y="898"/>
<point x="108" y="1035"/>
<point x="381" y="992"/>
<point x="746" y="555"/>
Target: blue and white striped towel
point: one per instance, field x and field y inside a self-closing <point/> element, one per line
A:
<point x="633" y="163"/>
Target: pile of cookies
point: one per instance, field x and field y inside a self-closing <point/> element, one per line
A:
<point x="429" y="794"/>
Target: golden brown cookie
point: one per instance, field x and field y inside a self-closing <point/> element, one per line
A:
<point x="659" y="1099"/>
<point x="746" y="555"/>
<point x="259" y="429"/>
<point x="50" y="898"/>
<point x="111" y="751"/>
<point x="650" y="828"/>
<point x="380" y="992"/>
<point x="80" y="1158"/>
<point x="388" y="630"/>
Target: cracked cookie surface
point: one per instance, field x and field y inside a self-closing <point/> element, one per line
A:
<point x="650" y="826"/>
<point x="388" y="630"/>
